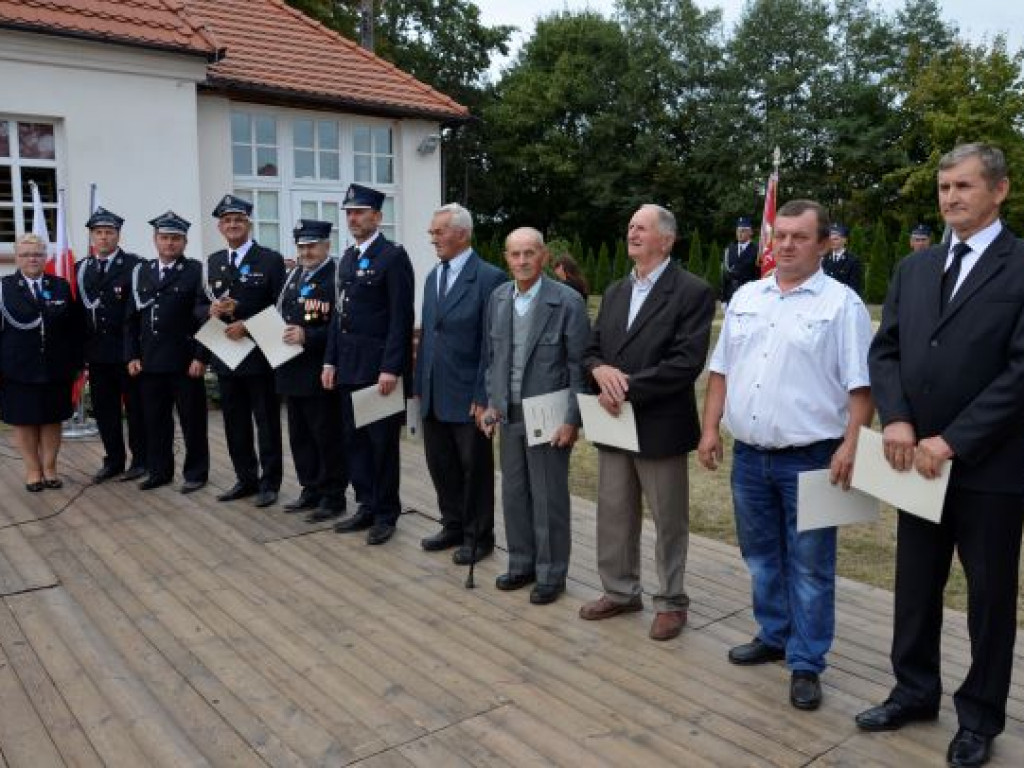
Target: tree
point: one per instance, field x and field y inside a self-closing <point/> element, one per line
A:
<point x="621" y="264"/>
<point x="879" y="266"/>
<point x="695" y="262"/>
<point x="603" y="274"/>
<point x="713" y="267"/>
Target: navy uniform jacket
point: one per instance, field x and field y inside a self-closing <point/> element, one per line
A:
<point x="372" y="330"/>
<point x="308" y="303"/>
<point x="161" y="333"/>
<point x="255" y="285"/>
<point x="847" y="269"/>
<point x="738" y="269"/>
<point x="104" y="338"/>
<point x="51" y="352"/>
<point x="450" y="355"/>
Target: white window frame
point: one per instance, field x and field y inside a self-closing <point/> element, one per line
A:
<point x="374" y="155"/>
<point x="254" y="145"/>
<point x="21" y="204"/>
<point x="317" y="149"/>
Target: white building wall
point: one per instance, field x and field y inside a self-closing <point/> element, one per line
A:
<point x="420" y="177"/>
<point x="127" y="122"/>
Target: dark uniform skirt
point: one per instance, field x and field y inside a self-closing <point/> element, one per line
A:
<point x="31" y="404"/>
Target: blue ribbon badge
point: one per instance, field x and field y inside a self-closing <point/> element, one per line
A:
<point x="364" y="263"/>
<point x="306" y="289"/>
<point x="244" y="270"/>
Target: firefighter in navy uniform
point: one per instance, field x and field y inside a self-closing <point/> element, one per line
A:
<point x="369" y="343"/>
<point x="314" y="414"/>
<point x="105" y="291"/>
<point x="241" y="281"/>
<point x="162" y="352"/>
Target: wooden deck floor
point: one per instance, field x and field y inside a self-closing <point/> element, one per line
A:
<point x="163" y="630"/>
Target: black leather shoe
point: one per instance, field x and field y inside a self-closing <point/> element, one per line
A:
<point x="153" y="482"/>
<point x="508" y="582"/>
<point x="968" y="749"/>
<point x="755" y="652"/>
<point x="133" y="473"/>
<point x="191" y="486"/>
<point x="238" y="491"/>
<point x="443" y="539"/>
<point x="360" y="521"/>
<point x="543" y="594"/>
<point x="892" y="716"/>
<point x="308" y="499"/>
<point x="805" y="690"/>
<point x="380" y="533"/>
<point x="328" y="510"/>
<point x="106" y="472"/>
<point x="464" y="555"/>
<point x="265" y="499"/>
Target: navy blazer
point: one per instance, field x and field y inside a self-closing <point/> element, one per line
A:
<point x="309" y="304"/>
<point x="255" y="285"/>
<point x="663" y="352"/>
<point x="372" y="328"/>
<point x="847" y="269"/>
<point x="738" y="269"/>
<point x="959" y="373"/>
<point x="449" y="357"/>
<point x="161" y="332"/>
<point x="111" y="296"/>
<point x="50" y="352"/>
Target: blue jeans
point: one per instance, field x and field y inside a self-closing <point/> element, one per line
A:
<point x="793" y="574"/>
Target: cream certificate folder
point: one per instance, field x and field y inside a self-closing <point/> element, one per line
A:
<point x="543" y="414"/>
<point x="266" y="329"/>
<point x="228" y="351"/>
<point x="823" y="505"/>
<point x="601" y="427"/>
<point x="908" y="491"/>
<point x="369" y="405"/>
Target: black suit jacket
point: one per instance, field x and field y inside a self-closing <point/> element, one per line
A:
<point x="160" y="332"/>
<point x="738" y="269"/>
<point x="958" y="374"/>
<point x="309" y="304"/>
<point x="663" y="353"/>
<point x="255" y="285"/>
<point x="847" y="269"/>
<point x="51" y="352"/>
<point x="112" y="294"/>
<point x="372" y="330"/>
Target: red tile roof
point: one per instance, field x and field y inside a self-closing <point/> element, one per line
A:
<point x="258" y="49"/>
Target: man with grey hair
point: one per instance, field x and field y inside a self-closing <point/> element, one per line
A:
<point x="647" y="348"/>
<point x="947" y="372"/>
<point x="449" y="383"/>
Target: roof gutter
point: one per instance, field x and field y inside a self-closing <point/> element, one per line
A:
<point x="212" y="56"/>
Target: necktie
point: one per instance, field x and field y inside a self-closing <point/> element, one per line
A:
<point x="442" y="289"/>
<point x="952" y="275"/>
<point x="37" y="291"/>
<point x="234" y="259"/>
<point x="103" y="266"/>
<point x="164" y="271"/>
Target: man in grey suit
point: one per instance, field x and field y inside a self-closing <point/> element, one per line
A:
<point x="648" y="347"/>
<point x="537" y="329"/>
<point x="450" y="385"/>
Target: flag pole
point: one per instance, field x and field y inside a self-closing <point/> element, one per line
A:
<point x="78" y="426"/>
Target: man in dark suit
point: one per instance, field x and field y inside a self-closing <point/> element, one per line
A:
<point x="369" y="344"/>
<point x="536" y="331"/>
<point x="161" y="350"/>
<point x="739" y="264"/>
<point x="450" y="384"/>
<point x="314" y="414"/>
<point x="648" y="346"/>
<point x="241" y="281"/>
<point x="947" y="372"/>
<point x="839" y="263"/>
<point x="104" y="289"/>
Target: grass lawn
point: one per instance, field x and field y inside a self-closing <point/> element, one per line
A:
<point x="867" y="553"/>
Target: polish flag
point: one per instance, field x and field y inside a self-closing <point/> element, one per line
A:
<point x="766" y="258"/>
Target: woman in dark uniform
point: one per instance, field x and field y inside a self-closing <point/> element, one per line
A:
<point x="40" y="356"/>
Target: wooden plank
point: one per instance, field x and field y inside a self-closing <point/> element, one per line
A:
<point x="24" y="739"/>
<point x="21" y="567"/>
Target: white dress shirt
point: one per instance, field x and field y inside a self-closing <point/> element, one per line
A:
<point x="522" y="301"/>
<point x="979" y="242"/>
<point x="455" y="265"/>
<point x="642" y="288"/>
<point x="791" y="359"/>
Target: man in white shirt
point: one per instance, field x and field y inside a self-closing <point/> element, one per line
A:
<point x="792" y="356"/>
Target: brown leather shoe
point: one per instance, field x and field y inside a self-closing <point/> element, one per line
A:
<point x="604" y="608"/>
<point x="667" y="624"/>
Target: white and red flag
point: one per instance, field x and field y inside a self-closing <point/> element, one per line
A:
<point x="766" y="257"/>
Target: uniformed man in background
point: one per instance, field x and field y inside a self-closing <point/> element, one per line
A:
<point x="369" y="343"/>
<point x="105" y="291"/>
<point x="162" y="352"/>
<point x="314" y="414"/>
<point x="241" y="281"/>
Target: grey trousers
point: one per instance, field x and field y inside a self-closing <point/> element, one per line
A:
<point x="622" y="478"/>
<point x="535" y="502"/>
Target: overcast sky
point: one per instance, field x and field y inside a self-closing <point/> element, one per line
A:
<point x="977" y="19"/>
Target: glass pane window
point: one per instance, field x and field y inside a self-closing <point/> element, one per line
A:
<point x="28" y="153"/>
<point x="5" y="138"/>
<point x="305" y="164"/>
<point x="317" y="149"/>
<point x="304" y="134"/>
<point x="254" y="145"/>
<point x="330" y="165"/>
<point x="373" y="154"/>
<point x="387" y="218"/>
<point x="266" y="218"/>
<point x="36" y="140"/>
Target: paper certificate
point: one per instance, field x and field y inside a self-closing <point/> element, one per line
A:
<point x="823" y="505"/>
<point x="543" y="414"/>
<point x="413" y="422"/>
<point x="267" y="329"/>
<point x="228" y="351"/>
<point x="369" y="405"/>
<point x="601" y="427"/>
<point x="908" y="491"/>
